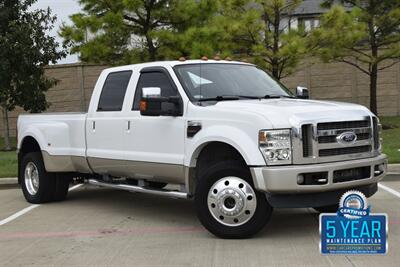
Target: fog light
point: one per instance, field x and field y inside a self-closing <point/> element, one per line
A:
<point x="300" y="179"/>
<point x="379" y="169"/>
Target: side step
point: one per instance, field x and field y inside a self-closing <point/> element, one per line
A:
<point x="139" y="189"/>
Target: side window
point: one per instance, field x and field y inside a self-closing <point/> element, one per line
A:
<point x="113" y="92"/>
<point x="153" y="79"/>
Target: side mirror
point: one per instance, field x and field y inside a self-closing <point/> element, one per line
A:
<point x="153" y="104"/>
<point x="302" y="92"/>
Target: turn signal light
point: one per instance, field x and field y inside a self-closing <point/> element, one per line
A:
<point x="143" y="105"/>
<point x="262" y="138"/>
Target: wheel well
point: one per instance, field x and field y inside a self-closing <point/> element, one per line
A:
<point x="215" y="152"/>
<point x="29" y="144"/>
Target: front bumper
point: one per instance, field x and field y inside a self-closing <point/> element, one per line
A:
<point x="284" y="179"/>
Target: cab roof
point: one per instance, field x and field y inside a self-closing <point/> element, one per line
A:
<point x="174" y="63"/>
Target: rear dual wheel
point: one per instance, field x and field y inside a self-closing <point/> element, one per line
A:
<point x="226" y="202"/>
<point x="38" y="185"/>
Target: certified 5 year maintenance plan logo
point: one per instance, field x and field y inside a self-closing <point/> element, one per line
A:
<point x="353" y="229"/>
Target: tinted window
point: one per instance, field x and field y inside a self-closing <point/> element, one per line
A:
<point x="114" y="89"/>
<point x="153" y="79"/>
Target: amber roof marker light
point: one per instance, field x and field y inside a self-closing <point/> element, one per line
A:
<point x="204" y="58"/>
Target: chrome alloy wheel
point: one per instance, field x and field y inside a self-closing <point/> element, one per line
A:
<point x="31" y="177"/>
<point x="232" y="201"/>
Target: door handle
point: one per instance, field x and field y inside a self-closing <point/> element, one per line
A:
<point x="93" y="126"/>
<point x="128" y="126"/>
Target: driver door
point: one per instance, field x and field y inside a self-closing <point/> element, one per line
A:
<point x="155" y="144"/>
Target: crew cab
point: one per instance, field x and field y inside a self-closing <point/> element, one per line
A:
<point x="221" y="132"/>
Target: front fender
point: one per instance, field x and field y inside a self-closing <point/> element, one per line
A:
<point x="245" y="144"/>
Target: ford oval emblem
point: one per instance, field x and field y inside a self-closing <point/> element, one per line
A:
<point x="347" y="138"/>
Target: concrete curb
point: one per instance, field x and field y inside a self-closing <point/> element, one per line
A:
<point x="9" y="181"/>
<point x="394" y="168"/>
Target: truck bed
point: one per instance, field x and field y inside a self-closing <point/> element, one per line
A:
<point x="61" y="137"/>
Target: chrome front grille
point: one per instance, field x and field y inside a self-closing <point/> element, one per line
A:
<point x="376" y="132"/>
<point x="343" y="125"/>
<point x="343" y="151"/>
<point x="320" y="141"/>
<point x="332" y="138"/>
<point x="331" y="130"/>
<point x="306" y="131"/>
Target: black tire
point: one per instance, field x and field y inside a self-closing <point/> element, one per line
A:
<point x="206" y="179"/>
<point x="61" y="186"/>
<point x="47" y="181"/>
<point x="327" y="209"/>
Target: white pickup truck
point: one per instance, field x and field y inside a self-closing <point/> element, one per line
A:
<point x="221" y="132"/>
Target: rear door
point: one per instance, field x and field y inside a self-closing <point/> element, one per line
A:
<point x="106" y="126"/>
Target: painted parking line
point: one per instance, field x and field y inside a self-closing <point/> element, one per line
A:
<point x="18" y="214"/>
<point x="28" y="209"/>
<point x="389" y="190"/>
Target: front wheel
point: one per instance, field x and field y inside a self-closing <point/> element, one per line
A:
<point x="227" y="204"/>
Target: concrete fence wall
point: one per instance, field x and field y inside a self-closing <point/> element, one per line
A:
<point x="333" y="81"/>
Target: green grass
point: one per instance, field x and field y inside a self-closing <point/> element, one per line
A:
<point x="8" y="160"/>
<point x="391" y="138"/>
<point x="391" y="147"/>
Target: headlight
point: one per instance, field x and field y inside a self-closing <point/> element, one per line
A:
<point x="276" y="146"/>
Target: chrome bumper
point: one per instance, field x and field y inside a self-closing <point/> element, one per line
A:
<point x="283" y="179"/>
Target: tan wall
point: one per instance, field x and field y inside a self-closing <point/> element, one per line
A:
<point x="333" y="81"/>
<point x="341" y="82"/>
<point x="72" y="93"/>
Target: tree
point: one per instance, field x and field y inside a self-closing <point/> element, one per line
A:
<point x="25" y="48"/>
<point x="129" y="31"/>
<point x="362" y="33"/>
<point x="261" y="31"/>
<point x="195" y="30"/>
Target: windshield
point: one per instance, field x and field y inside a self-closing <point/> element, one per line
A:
<point x="226" y="81"/>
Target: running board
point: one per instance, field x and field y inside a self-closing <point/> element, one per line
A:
<point x="139" y="189"/>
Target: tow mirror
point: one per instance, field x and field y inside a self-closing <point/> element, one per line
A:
<point x="153" y="104"/>
<point x="302" y="92"/>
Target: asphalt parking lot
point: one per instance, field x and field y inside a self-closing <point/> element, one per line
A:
<point x="106" y="227"/>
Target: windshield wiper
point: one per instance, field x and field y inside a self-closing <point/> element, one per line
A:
<point x="237" y="97"/>
<point x="277" y="96"/>
<point x="249" y="96"/>
<point x="219" y="98"/>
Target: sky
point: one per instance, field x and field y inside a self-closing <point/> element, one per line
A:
<point x="63" y="9"/>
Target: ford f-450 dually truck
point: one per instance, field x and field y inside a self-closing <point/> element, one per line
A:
<point x="221" y="132"/>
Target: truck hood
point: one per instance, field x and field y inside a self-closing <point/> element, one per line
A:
<point x="283" y="112"/>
